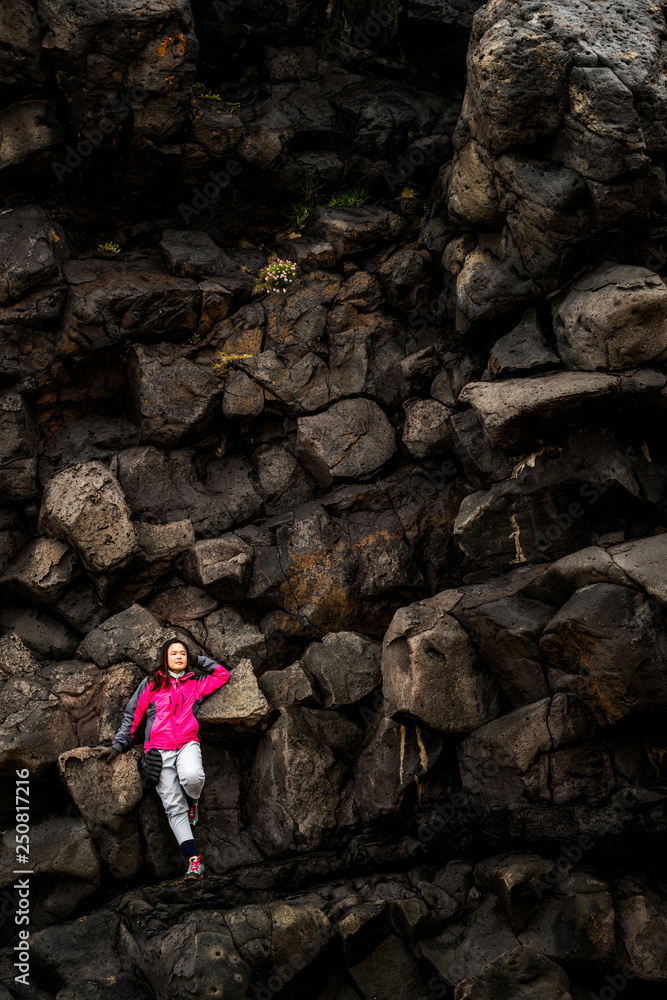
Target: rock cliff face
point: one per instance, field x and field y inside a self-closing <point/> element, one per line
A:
<point x="416" y="502"/>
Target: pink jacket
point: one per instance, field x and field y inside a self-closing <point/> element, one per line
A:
<point x="171" y="714"/>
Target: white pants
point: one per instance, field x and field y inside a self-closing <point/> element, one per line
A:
<point x="182" y="773"/>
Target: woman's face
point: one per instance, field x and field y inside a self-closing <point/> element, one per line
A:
<point x="177" y="657"/>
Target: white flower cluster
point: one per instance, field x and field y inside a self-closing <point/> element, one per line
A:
<point x="280" y="274"/>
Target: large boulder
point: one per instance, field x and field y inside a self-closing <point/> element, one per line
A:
<point x="615" y="317"/>
<point x="523" y="351"/>
<point x="32" y="251"/>
<point x="575" y="923"/>
<point x="293" y="787"/>
<point x="608" y="645"/>
<point x="506" y="633"/>
<point x="343" y="667"/>
<point x="642" y="925"/>
<point x="232" y="637"/>
<point x="47" y="636"/>
<point x="106" y="793"/>
<point x="194" y="254"/>
<point x="35" y="727"/>
<point x="29" y="128"/>
<point x="351" y="230"/>
<point x="163" y="487"/>
<point x="365" y="350"/>
<point x="172" y="400"/>
<point x="517" y="757"/>
<point x="463" y="949"/>
<point x="389" y="972"/>
<point x="526" y="973"/>
<point x="551" y="502"/>
<point x="289" y="686"/>
<point x="42" y="571"/>
<point x="518" y="412"/>
<point x="198" y="956"/>
<point x="80" y="951"/>
<point x="59" y="845"/>
<point x="239" y="704"/>
<point x="94" y="699"/>
<point x="134" y="634"/>
<point x="16" y="660"/>
<point x="431" y="671"/>
<point x="64" y="865"/>
<point x="161" y="543"/>
<point x="110" y="301"/>
<point x="640" y="560"/>
<point x="85" y="507"/>
<point x="284" y="483"/>
<point x="427" y="427"/>
<point x="20" y="63"/>
<point x="554" y="126"/>
<point x="221" y="566"/>
<point x="351" y="440"/>
<point x="394" y="757"/>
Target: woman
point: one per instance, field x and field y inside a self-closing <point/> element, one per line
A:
<point x="170" y="700"/>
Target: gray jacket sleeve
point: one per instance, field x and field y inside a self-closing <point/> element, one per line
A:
<point x="122" y="740"/>
<point x="207" y="665"/>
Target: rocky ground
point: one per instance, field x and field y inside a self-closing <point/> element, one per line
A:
<point x="419" y="510"/>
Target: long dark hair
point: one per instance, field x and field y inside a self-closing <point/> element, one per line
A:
<point x="160" y="676"/>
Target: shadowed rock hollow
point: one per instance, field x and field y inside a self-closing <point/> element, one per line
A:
<point x="418" y="508"/>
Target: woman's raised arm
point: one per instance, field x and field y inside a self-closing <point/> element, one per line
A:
<point x="217" y="676"/>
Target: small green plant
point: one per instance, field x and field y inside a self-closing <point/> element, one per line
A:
<point x="353" y="198"/>
<point x="201" y="90"/>
<point x="407" y="192"/>
<point x="108" y="248"/>
<point x="250" y="75"/>
<point x="227" y="362"/>
<point x="277" y="276"/>
<point x="195" y="339"/>
<point x="298" y="212"/>
<point x="310" y="189"/>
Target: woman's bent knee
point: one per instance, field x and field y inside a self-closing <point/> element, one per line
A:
<point x="193" y="779"/>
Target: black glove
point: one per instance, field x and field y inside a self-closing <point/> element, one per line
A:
<point x="108" y="754"/>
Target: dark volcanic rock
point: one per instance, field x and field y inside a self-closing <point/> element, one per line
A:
<point x="351" y="440"/>
<point x="111" y="301"/>
<point x="613" y="318"/>
<point x="514" y="413"/>
<point x="172" y="400"/>
<point x="607" y="645"/>
<point x="351" y="230"/>
<point x="321" y="488"/>
<point x="431" y="671"/>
